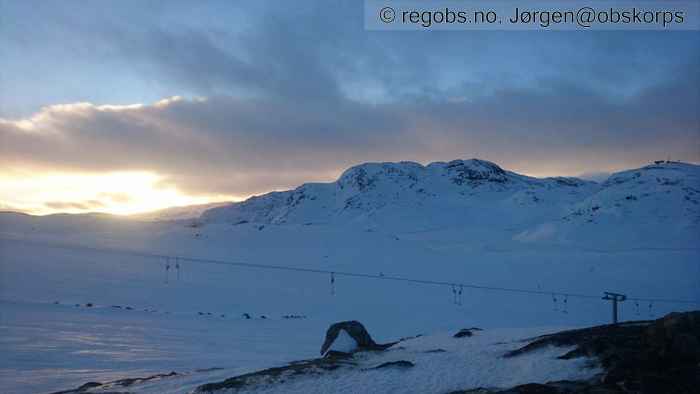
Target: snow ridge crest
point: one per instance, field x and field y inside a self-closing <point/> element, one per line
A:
<point x="370" y="188"/>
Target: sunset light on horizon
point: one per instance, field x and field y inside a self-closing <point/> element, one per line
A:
<point x="119" y="193"/>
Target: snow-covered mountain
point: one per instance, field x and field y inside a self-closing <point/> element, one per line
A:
<point x="654" y="206"/>
<point x="663" y="192"/>
<point x="660" y="202"/>
<point x="405" y="190"/>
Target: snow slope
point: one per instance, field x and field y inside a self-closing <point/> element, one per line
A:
<point x="47" y="348"/>
<point x="177" y="213"/>
<point x="141" y="344"/>
<point x="441" y="364"/>
<point x="654" y="206"/>
<point x="463" y="221"/>
<point x="410" y="196"/>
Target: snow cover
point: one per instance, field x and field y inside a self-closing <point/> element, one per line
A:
<point x="464" y="221"/>
<point x="397" y="194"/>
<point x="343" y="343"/>
<point x="46" y="347"/>
<point x="177" y="213"/>
<point x="654" y="206"/>
<point x="51" y="347"/>
<point x="442" y="364"/>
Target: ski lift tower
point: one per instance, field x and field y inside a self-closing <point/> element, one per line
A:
<point x="614" y="299"/>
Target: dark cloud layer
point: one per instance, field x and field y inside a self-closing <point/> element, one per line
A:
<point x="296" y="95"/>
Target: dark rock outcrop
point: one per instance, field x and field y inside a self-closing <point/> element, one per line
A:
<point x="644" y="357"/>
<point x="474" y="171"/>
<point x="463" y="333"/>
<point x="278" y="375"/>
<point x="395" y="364"/>
<point x="675" y="338"/>
<point x="560" y="387"/>
<point x="357" y="331"/>
<point x="106" y="388"/>
<point x="466" y="332"/>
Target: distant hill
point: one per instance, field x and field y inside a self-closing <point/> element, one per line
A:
<point x="177" y="213"/>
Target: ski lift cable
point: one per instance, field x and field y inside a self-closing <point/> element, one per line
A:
<point x="344" y="273"/>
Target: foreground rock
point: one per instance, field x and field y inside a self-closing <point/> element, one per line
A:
<point x="354" y="338"/>
<point x="279" y="375"/>
<point x="466" y="332"/>
<point x="395" y="364"/>
<point x="563" y="387"/>
<point x="356" y="331"/>
<point x="107" y="388"/>
<point x="645" y="357"/>
<point x="336" y="358"/>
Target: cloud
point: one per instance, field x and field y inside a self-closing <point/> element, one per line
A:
<point x="317" y="51"/>
<point x="235" y="146"/>
<point x="117" y="197"/>
<point x="297" y="93"/>
<point x="78" y="206"/>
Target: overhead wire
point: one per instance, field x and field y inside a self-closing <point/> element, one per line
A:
<point x="334" y="273"/>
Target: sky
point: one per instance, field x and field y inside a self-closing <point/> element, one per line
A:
<point x="130" y="106"/>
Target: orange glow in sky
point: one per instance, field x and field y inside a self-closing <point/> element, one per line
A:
<point x="120" y="193"/>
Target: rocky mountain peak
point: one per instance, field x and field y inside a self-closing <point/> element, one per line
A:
<point x="475" y="170"/>
<point x="365" y="176"/>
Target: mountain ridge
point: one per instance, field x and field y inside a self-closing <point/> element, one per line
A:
<point x="480" y="198"/>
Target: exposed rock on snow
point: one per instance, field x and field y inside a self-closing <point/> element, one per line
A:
<point x="436" y="351"/>
<point x="560" y="387"/>
<point x="350" y="336"/>
<point x="475" y="171"/>
<point x="661" y="356"/>
<point x="395" y="364"/>
<point x="676" y="338"/>
<point x="466" y="332"/>
<point x="109" y="387"/>
<point x="279" y="375"/>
